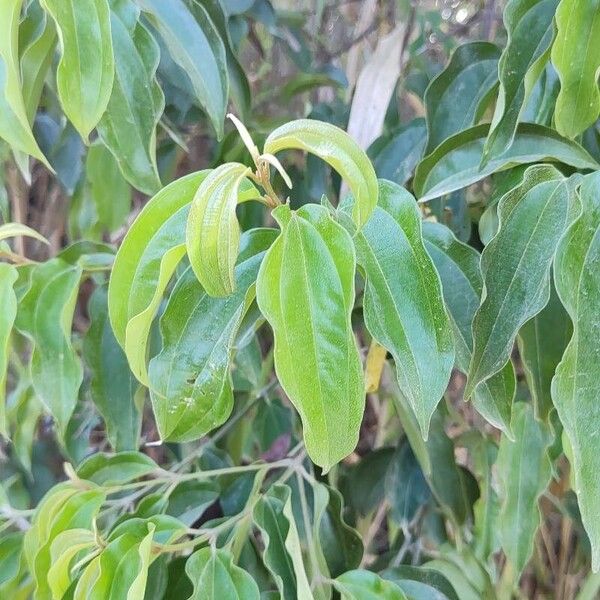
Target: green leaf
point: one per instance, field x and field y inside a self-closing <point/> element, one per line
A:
<point x="112" y="386"/>
<point x="141" y="270"/>
<point x="576" y="56"/>
<point x="195" y="45"/>
<point x="340" y="544"/>
<point x="455" y="163"/>
<point x="365" y="585"/>
<point x="190" y="383"/>
<point x="109" y="192"/>
<point x="128" y="127"/>
<point x="213" y="231"/>
<point x="420" y="583"/>
<point x="542" y="342"/>
<point x="215" y="576"/>
<point x="524" y="472"/>
<point x="10" y="557"/>
<point x="86" y="70"/>
<point x="516" y="267"/>
<point x="15" y="127"/>
<point x="45" y="315"/>
<point x="455" y="98"/>
<point x="530" y="34"/>
<point x="403" y="305"/>
<point x="65" y="547"/>
<point x="462" y="284"/>
<point x="8" y="301"/>
<point x="337" y="149"/>
<point x="396" y="154"/>
<point x="305" y="289"/>
<point x="113" y="469"/>
<point x="274" y="527"/>
<point x="121" y="569"/>
<point x="9" y="230"/>
<point x="576" y="385"/>
<point x="64" y="510"/>
<point x="37" y="40"/>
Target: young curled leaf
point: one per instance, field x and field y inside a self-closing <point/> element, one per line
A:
<point x="337" y="149"/>
<point x="305" y="289"/>
<point x="213" y="231"/>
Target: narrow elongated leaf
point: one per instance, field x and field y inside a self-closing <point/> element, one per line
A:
<point x="189" y="379"/>
<point x="45" y="315"/>
<point x="112" y="386"/>
<point x="455" y="98"/>
<point x="86" y="69"/>
<point x="462" y="284"/>
<point x="8" y="301"/>
<point x="576" y="385"/>
<point x="542" y="342"/>
<point x="195" y="45"/>
<point x="576" y="56"/>
<point x="37" y="39"/>
<point x="136" y="273"/>
<point x="15" y="127"/>
<point x="530" y="34"/>
<point x="305" y="289"/>
<point x="524" y="471"/>
<point x="215" y="576"/>
<point x="274" y="526"/>
<point x="10" y="230"/>
<point x="337" y="149"/>
<point x="516" y="267"/>
<point x="366" y="585"/>
<point x="403" y="304"/>
<point x="455" y="163"/>
<point x="11" y="546"/>
<point x="128" y="127"/>
<point x="213" y="231"/>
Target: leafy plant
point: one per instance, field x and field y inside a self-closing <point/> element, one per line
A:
<point x="255" y="358"/>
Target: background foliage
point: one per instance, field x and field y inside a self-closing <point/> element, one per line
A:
<point x="189" y="323"/>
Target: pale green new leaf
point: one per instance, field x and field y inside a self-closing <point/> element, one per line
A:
<point x="274" y="527"/>
<point x="15" y="127"/>
<point x="8" y="302"/>
<point x="576" y="57"/>
<point x="138" y="273"/>
<point x="63" y="550"/>
<point x="542" y="342"/>
<point x="305" y="289"/>
<point x="530" y="34"/>
<point x="113" y="388"/>
<point x="128" y="127"/>
<point x="524" y="471"/>
<point x="516" y="267"/>
<point x="215" y="577"/>
<point x="189" y="379"/>
<point x="458" y="267"/>
<point x="366" y="585"/>
<point x="213" y="231"/>
<point x="337" y="149"/>
<point x="45" y="315"/>
<point x="455" y="164"/>
<point x="86" y="69"/>
<point x="10" y="230"/>
<point x="455" y="98"/>
<point x="576" y="385"/>
<point x="403" y="304"/>
<point x="194" y="44"/>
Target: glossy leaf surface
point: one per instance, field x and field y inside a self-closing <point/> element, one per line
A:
<point x="337" y="149"/>
<point x="305" y="289"/>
